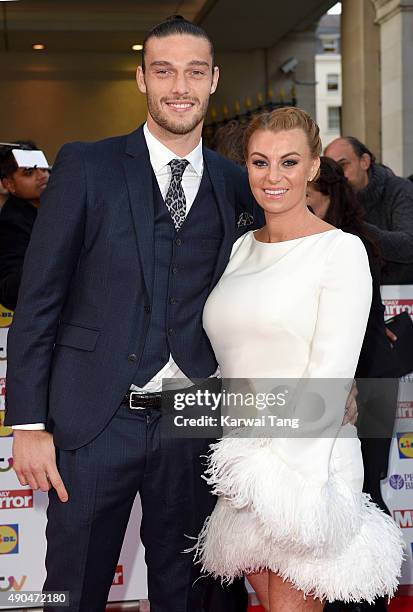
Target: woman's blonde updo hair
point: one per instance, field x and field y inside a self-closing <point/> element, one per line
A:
<point x="286" y="118"/>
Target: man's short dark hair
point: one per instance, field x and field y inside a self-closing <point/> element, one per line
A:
<point x="8" y="164"/>
<point x="359" y="148"/>
<point x="176" y="24"/>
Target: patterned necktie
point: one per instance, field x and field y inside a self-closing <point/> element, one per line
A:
<point x="175" y="198"/>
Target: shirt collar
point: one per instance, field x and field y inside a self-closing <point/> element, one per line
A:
<point x="160" y="155"/>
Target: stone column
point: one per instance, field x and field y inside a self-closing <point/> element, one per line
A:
<point x="360" y="52"/>
<point x="395" y="18"/>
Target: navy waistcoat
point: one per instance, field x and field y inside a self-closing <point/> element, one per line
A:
<point x="183" y="268"/>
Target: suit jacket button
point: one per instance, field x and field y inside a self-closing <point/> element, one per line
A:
<point x="178" y="242"/>
<point x="132" y="357"/>
<point x="147" y="309"/>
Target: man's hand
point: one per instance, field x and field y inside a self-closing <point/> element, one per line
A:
<point x="351" y="413"/>
<point x="34" y="461"/>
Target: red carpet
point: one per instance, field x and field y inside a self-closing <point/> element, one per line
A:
<point x="399" y="604"/>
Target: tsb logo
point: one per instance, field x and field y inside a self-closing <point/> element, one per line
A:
<point x="9" y="539"/>
<point x="118" y="577"/>
<point x="16" y="500"/>
<point x="404" y="518"/>
<point x="405" y="445"/>
<point x="11" y="583"/>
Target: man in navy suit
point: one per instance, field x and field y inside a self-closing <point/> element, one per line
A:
<point x="132" y="235"/>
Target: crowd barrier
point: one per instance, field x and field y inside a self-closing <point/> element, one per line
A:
<point x="23" y="511"/>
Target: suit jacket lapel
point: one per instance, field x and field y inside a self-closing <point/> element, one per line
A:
<point x="138" y="173"/>
<point x="226" y="210"/>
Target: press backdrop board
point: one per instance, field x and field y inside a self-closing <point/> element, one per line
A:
<point x="23" y="518"/>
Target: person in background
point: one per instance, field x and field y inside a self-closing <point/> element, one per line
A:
<point x="388" y="204"/>
<point x="228" y="141"/>
<point x="332" y="198"/>
<point x="17" y="217"/>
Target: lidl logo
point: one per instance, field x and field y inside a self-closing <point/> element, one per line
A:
<point x="16" y="500"/>
<point x="118" y="577"/>
<point x="6" y="464"/>
<point x="6" y="316"/>
<point x="405" y="445"/>
<point x="11" y="583"/>
<point x="9" y="539"/>
<point x="4" y="431"/>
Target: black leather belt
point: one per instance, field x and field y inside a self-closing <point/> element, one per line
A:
<point x="137" y="400"/>
<point x="140" y="401"/>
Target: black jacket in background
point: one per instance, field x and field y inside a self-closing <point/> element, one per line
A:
<point x="376" y="359"/>
<point x="16" y="223"/>
<point x="388" y="203"/>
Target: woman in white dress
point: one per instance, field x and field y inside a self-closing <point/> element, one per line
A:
<point x="293" y="303"/>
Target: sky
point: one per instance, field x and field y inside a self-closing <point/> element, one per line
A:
<point x="336" y="9"/>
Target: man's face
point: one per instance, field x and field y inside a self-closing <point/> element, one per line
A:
<point x="355" y="168"/>
<point x="178" y="80"/>
<point x="27" y="183"/>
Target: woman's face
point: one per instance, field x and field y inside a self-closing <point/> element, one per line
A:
<point x="318" y="201"/>
<point x="279" y="168"/>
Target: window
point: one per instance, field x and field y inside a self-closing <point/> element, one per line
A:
<point x="334" y="116"/>
<point x="332" y="82"/>
<point x="330" y="45"/>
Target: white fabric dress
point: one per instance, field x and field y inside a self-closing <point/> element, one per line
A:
<point x="296" y="309"/>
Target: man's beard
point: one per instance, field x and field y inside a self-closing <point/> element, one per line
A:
<point x="176" y="127"/>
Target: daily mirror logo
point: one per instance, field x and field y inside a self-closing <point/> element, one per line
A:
<point x="404" y="518"/>
<point x="118" y="577"/>
<point x="395" y="307"/>
<point x="404" y="410"/>
<point x="16" y="500"/>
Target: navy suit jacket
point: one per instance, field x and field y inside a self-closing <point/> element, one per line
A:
<point x="81" y="318"/>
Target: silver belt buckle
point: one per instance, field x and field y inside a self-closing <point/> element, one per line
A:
<point x="131" y="396"/>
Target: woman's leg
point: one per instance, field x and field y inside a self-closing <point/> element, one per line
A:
<point x="259" y="583"/>
<point x="283" y="597"/>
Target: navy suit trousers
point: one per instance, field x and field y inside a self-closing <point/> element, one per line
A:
<point x="85" y="534"/>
